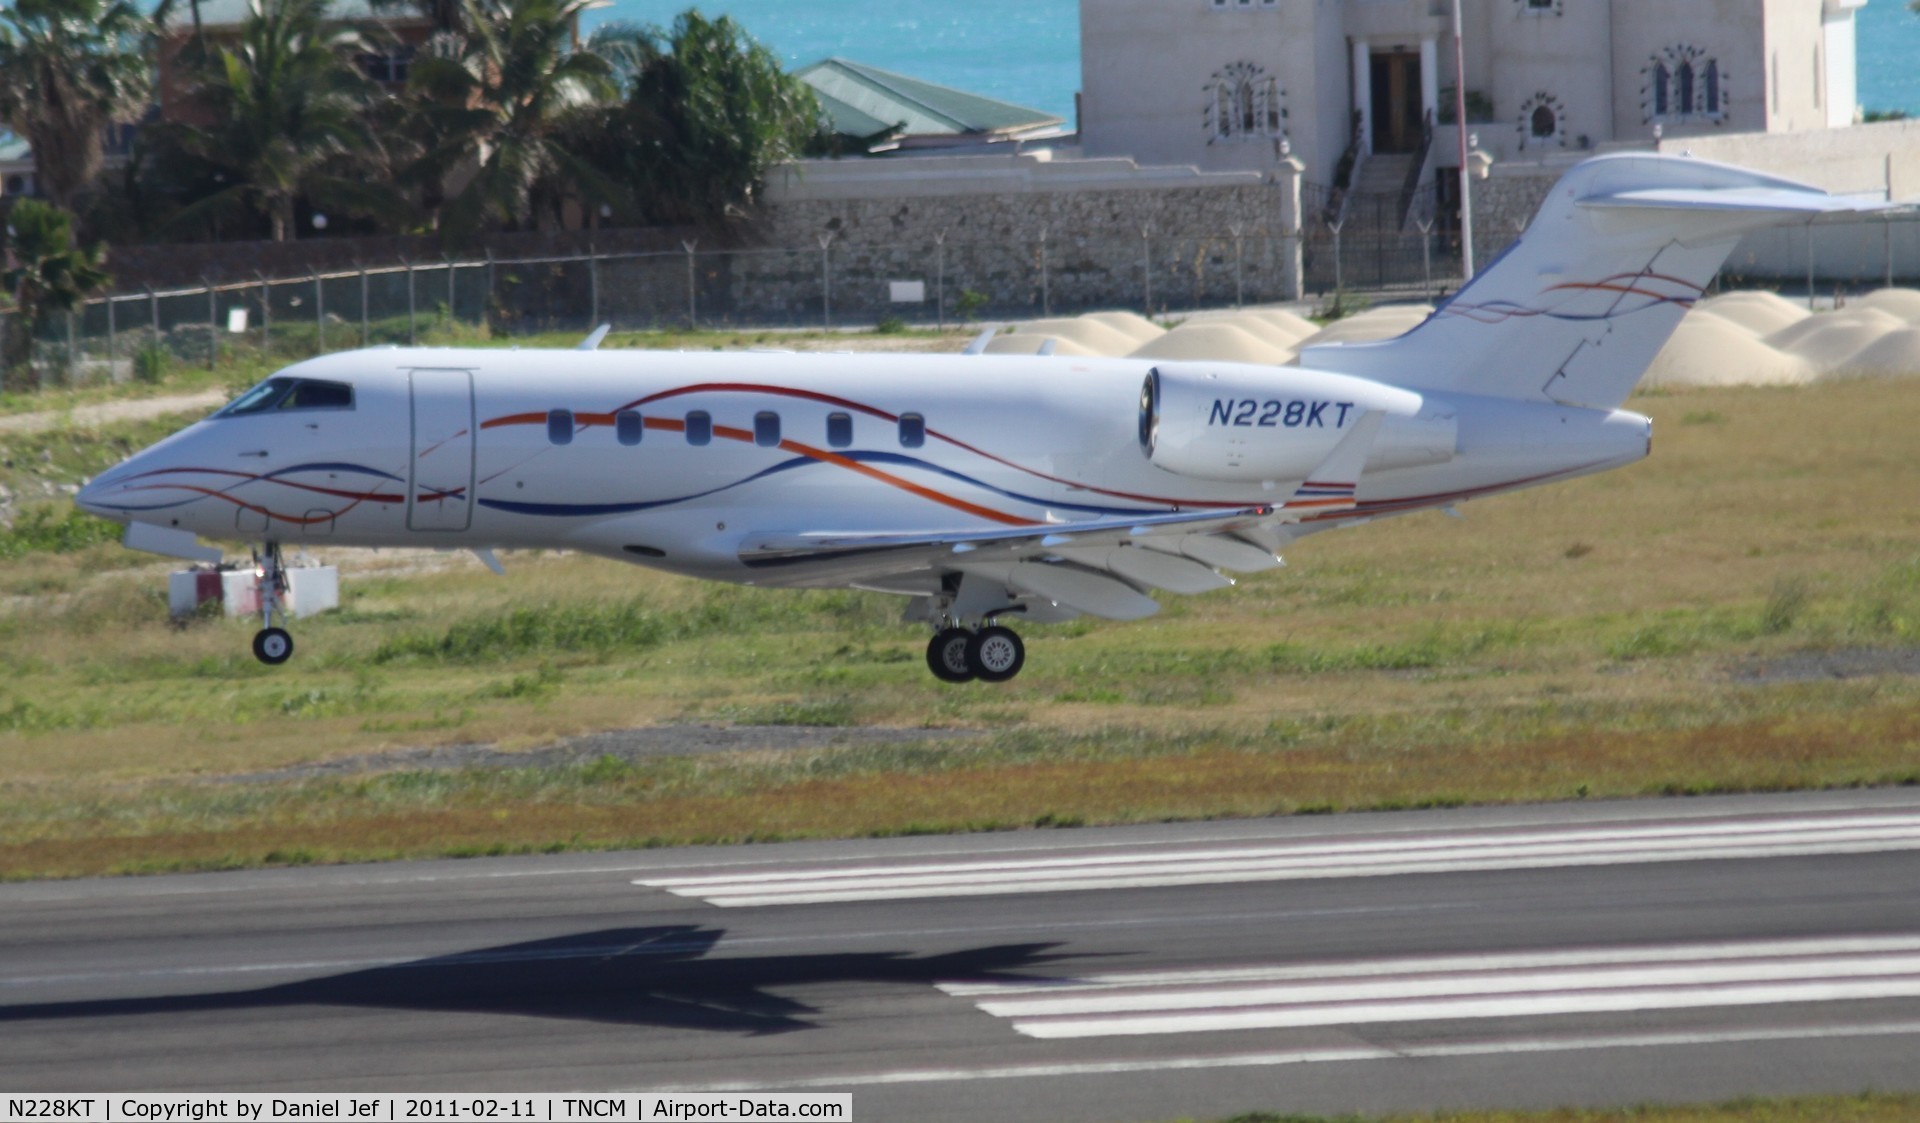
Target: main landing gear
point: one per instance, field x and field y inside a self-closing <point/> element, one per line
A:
<point x="271" y="644"/>
<point x="990" y="654"/>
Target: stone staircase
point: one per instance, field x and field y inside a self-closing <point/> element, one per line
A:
<point x="1383" y="174"/>
<point x="1380" y="187"/>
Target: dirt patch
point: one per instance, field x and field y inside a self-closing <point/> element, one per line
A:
<point x="135" y="409"/>
<point x="1817" y="666"/>
<point x="624" y="744"/>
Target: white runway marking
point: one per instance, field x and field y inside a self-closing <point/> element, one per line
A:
<point x="1143" y="866"/>
<point x="1357" y="1053"/>
<point x="1455" y="987"/>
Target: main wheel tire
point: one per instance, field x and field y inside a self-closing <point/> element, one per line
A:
<point x="272" y="646"/>
<point x="947" y="655"/>
<point x="996" y="654"/>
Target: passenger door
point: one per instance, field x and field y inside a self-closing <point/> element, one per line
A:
<point x="440" y="484"/>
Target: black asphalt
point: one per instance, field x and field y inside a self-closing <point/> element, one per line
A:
<point x="559" y="974"/>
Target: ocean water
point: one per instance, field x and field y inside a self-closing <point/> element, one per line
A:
<point x="1889" y="35"/>
<point x="1023" y="51"/>
<point x="1028" y="51"/>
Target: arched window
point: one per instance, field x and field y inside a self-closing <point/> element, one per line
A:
<point x="1685" y="85"/>
<point x="1244" y="103"/>
<point x="1543" y="124"/>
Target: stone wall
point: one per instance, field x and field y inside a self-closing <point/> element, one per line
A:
<point x="1025" y="254"/>
<point x="1026" y="235"/>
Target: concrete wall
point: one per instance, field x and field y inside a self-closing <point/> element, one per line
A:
<point x="1147" y="67"/>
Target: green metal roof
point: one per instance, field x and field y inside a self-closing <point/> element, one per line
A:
<point x="233" y="13"/>
<point x="862" y="101"/>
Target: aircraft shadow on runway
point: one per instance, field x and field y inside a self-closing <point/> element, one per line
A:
<point x="632" y="976"/>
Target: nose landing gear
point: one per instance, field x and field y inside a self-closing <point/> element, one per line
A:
<point x="271" y="644"/>
<point x="991" y="654"/>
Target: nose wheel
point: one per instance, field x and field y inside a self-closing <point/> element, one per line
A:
<point x="271" y="644"/>
<point x="991" y="654"/>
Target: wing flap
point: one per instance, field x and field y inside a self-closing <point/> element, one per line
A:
<point x="773" y="551"/>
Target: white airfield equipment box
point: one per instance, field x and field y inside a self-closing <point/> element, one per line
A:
<point x="310" y="589"/>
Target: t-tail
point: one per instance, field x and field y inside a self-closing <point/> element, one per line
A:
<point x="1575" y="309"/>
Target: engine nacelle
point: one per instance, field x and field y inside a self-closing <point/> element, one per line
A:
<point x="1270" y="424"/>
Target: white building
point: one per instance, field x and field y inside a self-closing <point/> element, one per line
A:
<point x="1221" y="84"/>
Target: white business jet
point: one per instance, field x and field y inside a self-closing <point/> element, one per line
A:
<point x="985" y="488"/>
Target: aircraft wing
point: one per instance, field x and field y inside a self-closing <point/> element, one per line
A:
<point x="1102" y="567"/>
<point x="862" y="552"/>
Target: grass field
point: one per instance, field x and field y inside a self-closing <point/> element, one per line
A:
<point x="1870" y="1108"/>
<point x="1740" y="612"/>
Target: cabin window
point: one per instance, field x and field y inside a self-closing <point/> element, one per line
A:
<point x="629" y="427"/>
<point x="308" y="393"/>
<point x="699" y="427"/>
<point x="839" y="430"/>
<point x="560" y="426"/>
<point x="766" y="429"/>
<point x="291" y="393"/>
<point x="913" y="430"/>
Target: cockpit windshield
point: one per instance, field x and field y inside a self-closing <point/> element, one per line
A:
<point x="280" y="394"/>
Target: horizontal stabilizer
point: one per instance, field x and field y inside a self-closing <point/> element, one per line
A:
<point x="1575" y="310"/>
<point x="1750" y="200"/>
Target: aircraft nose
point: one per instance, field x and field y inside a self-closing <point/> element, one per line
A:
<point x="104" y="495"/>
<point x="90" y="498"/>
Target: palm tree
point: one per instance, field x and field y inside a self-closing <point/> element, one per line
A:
<point x="49" y="274"/>
<point x="69" y="69"/>
<point x="287" y="109"/>
<point x="708" y="112"/>
<point x="493" y="105"/>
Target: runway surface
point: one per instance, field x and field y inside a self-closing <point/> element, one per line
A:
<point x="1592" y="953"/>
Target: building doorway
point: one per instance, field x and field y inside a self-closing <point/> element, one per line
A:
<point x="1395" y="86"/>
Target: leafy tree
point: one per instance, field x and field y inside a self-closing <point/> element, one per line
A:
<point x="286" y="109"/>
<point x="69" y="69"/>
<point x="496" y="107"/>
<point x="49" y="274"/>
<point x="709" y="111"/>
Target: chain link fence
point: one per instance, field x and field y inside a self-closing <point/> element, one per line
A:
<point x="1362" y="243"/>
<point x="943" y="282"/>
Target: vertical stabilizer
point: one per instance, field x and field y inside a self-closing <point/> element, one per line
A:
<point x="1575" y="310"/>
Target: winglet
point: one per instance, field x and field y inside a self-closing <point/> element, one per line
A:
<point x="592" y="342"/>
<point x="1332" y="485"/>
<point x="979" y="344"/>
